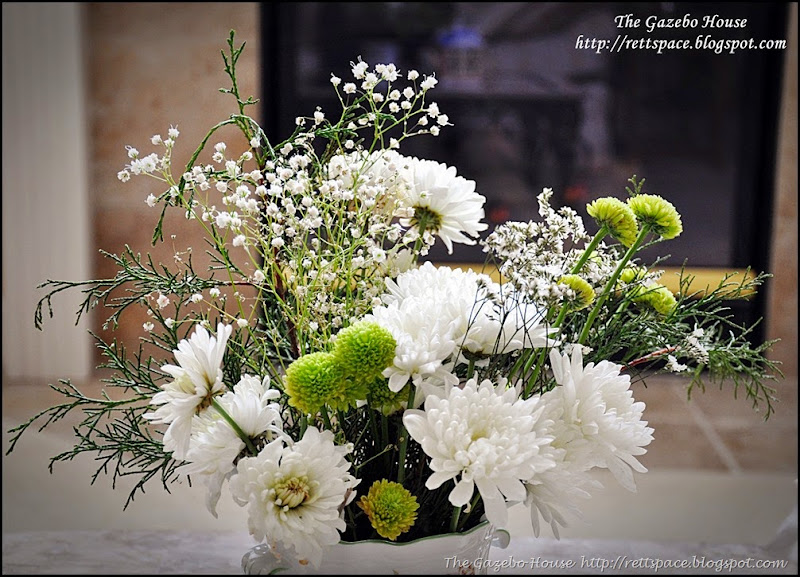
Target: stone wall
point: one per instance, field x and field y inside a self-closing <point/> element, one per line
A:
<point x="151" y="66"/>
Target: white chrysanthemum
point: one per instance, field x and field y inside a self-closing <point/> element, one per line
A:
<point x="214" y="444"/>
<point x="424" y="341"/>
<point x="485" y="437"/>
<point x="595" y="417"/>
<point x="436" y="313"/>
<point x="438" y="282"/>
<point x="294" y="493"/>
<point x="197" y="377"/>
<point x="448" y="203"/>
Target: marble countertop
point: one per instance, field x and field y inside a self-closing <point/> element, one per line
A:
<point x="194" y="553"/>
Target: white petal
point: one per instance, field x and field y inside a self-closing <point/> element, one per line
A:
<point x="462" y="493"/>
<point x="437" y="478"/>
<point x="493" y="503"/>
<point x="416" y="424"/>
<point x="513" y="489"/>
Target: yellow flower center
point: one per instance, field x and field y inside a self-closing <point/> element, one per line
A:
<point x="292" y="492"/>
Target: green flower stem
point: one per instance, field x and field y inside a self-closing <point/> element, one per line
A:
<point x="562" y="313"/>
<point x="601" y="234"/>
<point x="421" y="226"/>
<point x="373" y="426"/>
<point x="454" y="519"/>
<point x="645" y="230"/>
<point x="385" y="439"/>
<point x="471" y="369"/>
<point x="517" y="365"/>
<point x="576" y="269"/>
<point x="401" y="460"/>
<point x="235" y="426"/>
<point x="340" y="416"/>
<point x="385" y="429"/>
<point x="326" y="418"/>
<point x="472" y="505"/>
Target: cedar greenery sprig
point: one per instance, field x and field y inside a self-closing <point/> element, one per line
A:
<point x="134" y="281"/>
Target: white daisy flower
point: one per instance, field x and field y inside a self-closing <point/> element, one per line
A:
<point x="197" y="377"/>
<point x="446" y="202"/>
<point x="485" y="437"/>
<point x="294" y="493"/>
<point x="214" y="444"/>
<point x="595" y="417"/>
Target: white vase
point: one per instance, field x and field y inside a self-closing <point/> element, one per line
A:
<point x="451" y="554"/>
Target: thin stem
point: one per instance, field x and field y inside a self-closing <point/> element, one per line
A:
<point x="454" y="519"/>
<point x="612" y="282"/>
<point x="401" y="460"/>
<point x="326" y="418"/>
<point x="385" y="439"/>
<point x="235" y="426"/>
<point x="601" y="234"/>
<point x="421" y="226"/>
<point x="471" y="508"/>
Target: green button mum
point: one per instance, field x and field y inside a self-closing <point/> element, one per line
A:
<point x="617" y="217"/>
<point x="584" y="293"/>
<point x="658" y="297"/>
<point x="390" y="508"/>
<point x="631" y="274"/>
<point x="658" y="214"/>
<point x="315" y="380"/>
<point x="364" y="349"/>
<point x="382" y="398"/>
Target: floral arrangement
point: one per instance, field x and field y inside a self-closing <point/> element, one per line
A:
<point x="340" y="386"/>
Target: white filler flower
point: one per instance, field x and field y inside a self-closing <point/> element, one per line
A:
<point x="197" y="378"/>
<point x="595" y="417"/>
<point x="294" y="493"/>
<point x="486" y="437"/>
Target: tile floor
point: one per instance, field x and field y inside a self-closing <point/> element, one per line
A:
<point x="717" y="473"/>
